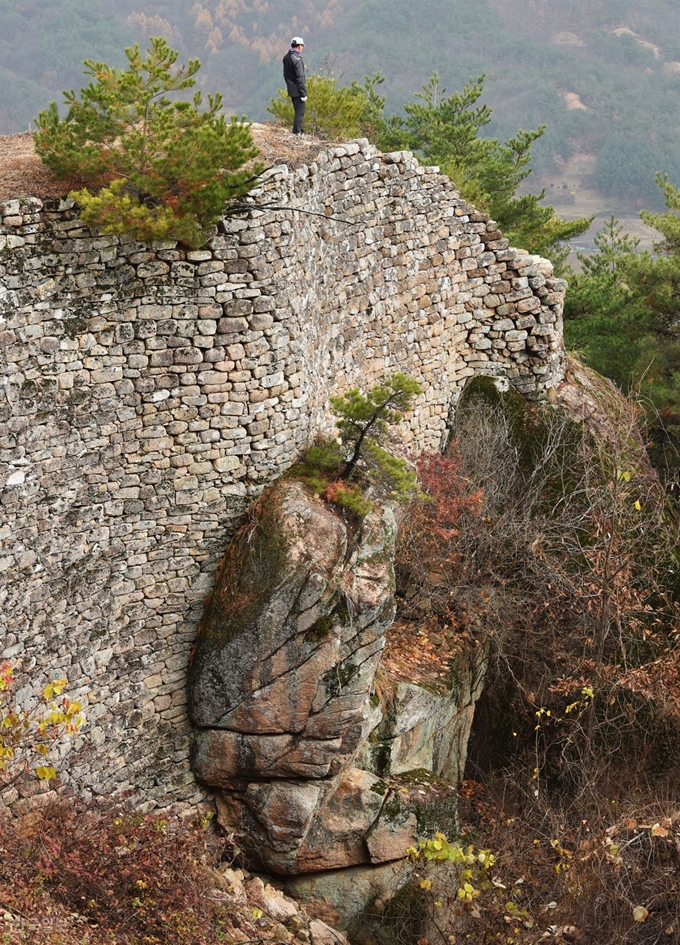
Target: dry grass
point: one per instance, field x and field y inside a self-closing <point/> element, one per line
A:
<point x="23" y="174"/>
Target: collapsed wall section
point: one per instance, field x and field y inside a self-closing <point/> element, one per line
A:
<point x="149" y="393"/>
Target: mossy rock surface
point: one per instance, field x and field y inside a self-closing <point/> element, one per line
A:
<point x="290" y="550"/>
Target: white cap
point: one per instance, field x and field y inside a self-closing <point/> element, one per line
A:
<point x="297" y="41"/>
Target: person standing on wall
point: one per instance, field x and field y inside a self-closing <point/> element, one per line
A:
<point x="294" y="74"/>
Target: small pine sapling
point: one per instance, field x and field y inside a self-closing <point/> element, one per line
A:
<point x="363" y="423"/>
<point x="340" y="469"/>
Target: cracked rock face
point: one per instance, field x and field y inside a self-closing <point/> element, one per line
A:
<point x="280" y="683"/>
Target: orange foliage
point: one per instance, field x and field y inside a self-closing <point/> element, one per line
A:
<point x="257" y="24"/>
<point x="334" y="490"/>
<point x="450" y="493"/>
<point x="151" y="25"/>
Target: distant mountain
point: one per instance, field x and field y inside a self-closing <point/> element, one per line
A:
<point x="42" y="47"/>
<point x="604" y="75"/>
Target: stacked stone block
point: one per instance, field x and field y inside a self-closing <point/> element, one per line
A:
<point x="150" y="392"/>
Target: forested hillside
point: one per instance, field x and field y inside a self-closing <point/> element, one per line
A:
<point x="602" y="74"/>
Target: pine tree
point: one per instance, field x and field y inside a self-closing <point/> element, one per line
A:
<point x="363" y="423"/>
<point x="342" y="470"/>
<point x="605" y="320"/>
<point x="155" y="166"/>
<point x="446" y="130"/>
<point x="622" y="314"/>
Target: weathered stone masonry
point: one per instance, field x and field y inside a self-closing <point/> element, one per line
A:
<point x="148" y="393"/>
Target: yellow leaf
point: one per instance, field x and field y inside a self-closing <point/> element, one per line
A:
<point x="45" y="774"/>
<point x="637" y="505"/>
<point x="55" y="688"/>
<point x="426" y="884"/>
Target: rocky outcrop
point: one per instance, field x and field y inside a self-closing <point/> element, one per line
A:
<point x="313" y="774"/>
<point x="281" y="681"/>
<point x="427" y="725"/>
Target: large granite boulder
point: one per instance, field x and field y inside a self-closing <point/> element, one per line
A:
<point x="281" y="680"/>
<point x="415" y="805"/>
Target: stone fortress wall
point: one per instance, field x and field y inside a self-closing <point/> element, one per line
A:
<point x="149" y="393"/>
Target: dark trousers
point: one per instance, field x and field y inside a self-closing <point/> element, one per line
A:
<point x="299" y="107"/>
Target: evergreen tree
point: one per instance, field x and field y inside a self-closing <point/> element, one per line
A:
<point x="622" y="314"/>
<point x="657" y="279"/>
<point x="446" y="131"/>
<point x="604" y="318"/>
<point x="342" y="469"/>
<point x="155" y="166"/>
<point x="364" y="420"/>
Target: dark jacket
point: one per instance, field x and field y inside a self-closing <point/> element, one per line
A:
<point x="294" y="74"/>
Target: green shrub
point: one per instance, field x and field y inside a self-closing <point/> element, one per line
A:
<point x="331" y="112"/>
<point x="319" y="465"/>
